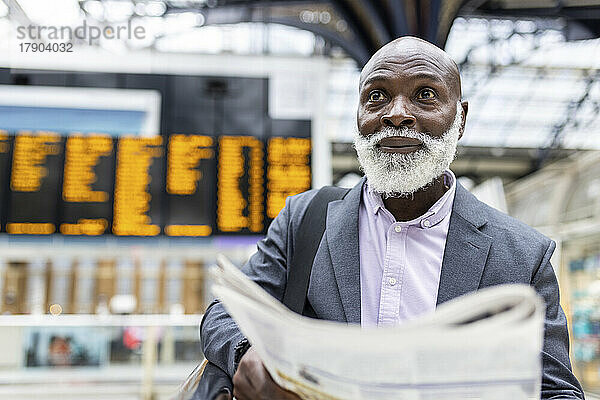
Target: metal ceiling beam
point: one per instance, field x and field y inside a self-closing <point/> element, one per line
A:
<point x="232" y="14"/>
<point x="591" y="12"/>
<point x="373" y="14"/>
<point x="435" y="8"/>
<point x="354" y="23"/>
<point x="446" y="16"/>
<point x="16" y="12"/>
<point x="355" y="49"/>
<point x="398" y="17"/>
<point x="558" y="131"/>
<point x="262" y="3"/>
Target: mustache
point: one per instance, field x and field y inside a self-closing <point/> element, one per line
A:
<point x="389" y="131"/>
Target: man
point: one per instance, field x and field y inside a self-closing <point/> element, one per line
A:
<point x="406" y="238"/>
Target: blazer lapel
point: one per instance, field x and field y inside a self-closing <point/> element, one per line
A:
<point x="342" y="242"/>
<point x="466" y="248"/>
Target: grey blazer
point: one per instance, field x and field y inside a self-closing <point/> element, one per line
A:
<point x="484" y="247"/>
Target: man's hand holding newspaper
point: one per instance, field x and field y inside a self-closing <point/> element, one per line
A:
<point x="484" y="345"/>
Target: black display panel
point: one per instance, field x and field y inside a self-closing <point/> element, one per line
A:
<point x="88" y="184"/>
<point x="188" y="185"/>
<point x="240" y="185"/>
<point x="190" y="182"/>
<point x="5" y="156"/>
<point x="233" y="178"/>
<point x="138" y="187"/>
<point x="288" y="169"/>
<point x="35" y="183"/>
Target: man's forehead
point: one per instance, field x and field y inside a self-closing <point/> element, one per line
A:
<point x="415" y="66"/>
<point x="414" y="56"/>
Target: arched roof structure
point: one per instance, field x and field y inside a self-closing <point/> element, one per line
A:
<point x="360" y="27"/>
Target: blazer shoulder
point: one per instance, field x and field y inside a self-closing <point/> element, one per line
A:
<point x="514" y="232"/>
<point x="298" y="203"/>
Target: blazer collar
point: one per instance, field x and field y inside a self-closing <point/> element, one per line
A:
<point x="464" y="256"/>
<point x="467" y="205"/>
<point x="342" y="242"/>
<point x="466" y="249"/>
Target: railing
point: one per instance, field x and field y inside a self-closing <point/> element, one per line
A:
<point x="126" y="356"/>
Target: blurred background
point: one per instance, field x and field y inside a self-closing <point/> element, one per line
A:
<point x="139" y="138"/>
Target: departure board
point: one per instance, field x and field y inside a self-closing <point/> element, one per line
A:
<point x="191" y="169"/>
<point x="288" y="171"/>
<point x="5" y="145"/>
<point x="138" y="187"/>
<point x="4" y="142"/>
<point x="181" y="185"/>
<point x="35" y="183"/>
<point x="87" y="184"/>
<point x="240" y="188"/>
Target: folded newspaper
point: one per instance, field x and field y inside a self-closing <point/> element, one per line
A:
<point x="484" y="345"/>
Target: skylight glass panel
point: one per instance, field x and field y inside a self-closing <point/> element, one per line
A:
<point x="523" y="78"/>
<point x="526" y="136"/>
<point x="485" y="135"/>
<point x="545" y="114"/>
<point x="555" y="89"/>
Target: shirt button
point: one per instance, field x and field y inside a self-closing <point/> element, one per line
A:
<point x="426" y="223"/>
<point x="398" y="228"/>
<point x="392" y="281"/>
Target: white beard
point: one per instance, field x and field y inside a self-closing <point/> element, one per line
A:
<point x="401" y="175"/>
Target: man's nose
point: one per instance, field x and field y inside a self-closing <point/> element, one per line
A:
<point x="398" y="116"/>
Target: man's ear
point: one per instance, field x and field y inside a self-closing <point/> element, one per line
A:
<point x="465" y="107"/>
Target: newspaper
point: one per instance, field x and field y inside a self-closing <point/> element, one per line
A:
<point x="484" y="345"/>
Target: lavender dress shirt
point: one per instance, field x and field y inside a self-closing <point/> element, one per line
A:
<point x="400" y="262"/>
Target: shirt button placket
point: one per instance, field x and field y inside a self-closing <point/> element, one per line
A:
<point x="399" y="281"/>
<point x="389" y="287"/>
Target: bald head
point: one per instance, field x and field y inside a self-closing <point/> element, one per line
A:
<point x="408" y="49"/>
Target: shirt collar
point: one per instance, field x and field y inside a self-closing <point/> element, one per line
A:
<point x="433" y="216"/>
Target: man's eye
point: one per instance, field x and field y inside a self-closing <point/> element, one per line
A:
<point x="426" y="94"/>
<point x="376" y="95"/>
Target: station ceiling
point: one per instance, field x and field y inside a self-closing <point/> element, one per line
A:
<point x="360" y="27"/>
<point x="530" y="85"/>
